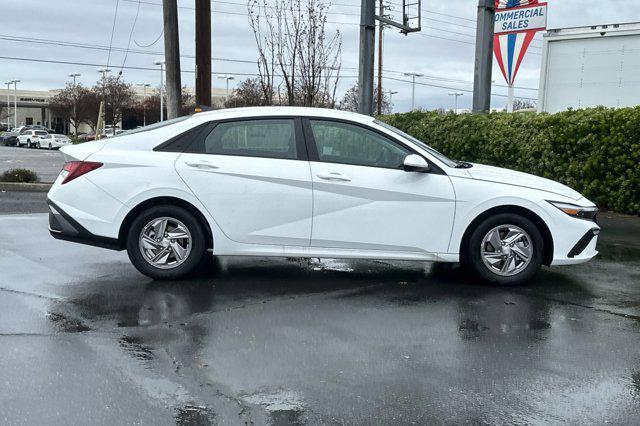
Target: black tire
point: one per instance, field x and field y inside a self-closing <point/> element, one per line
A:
<point x="37" y="145"/>
<point x="50" y="147"/>
<point x="190" y="222"/>
<point x="472" y="252"/>
<point x="28" y="143"/>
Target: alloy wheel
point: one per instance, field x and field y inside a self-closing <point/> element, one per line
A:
<point x="165" y="242"/>
<point x="506" y="250"/>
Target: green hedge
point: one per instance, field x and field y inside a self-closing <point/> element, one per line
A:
<point x="595" y="151"/>
<point x="19" y="175"/>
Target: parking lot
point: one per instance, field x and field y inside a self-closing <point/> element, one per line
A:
<point x="289" y="341"/>
<point x="44" y="162"/>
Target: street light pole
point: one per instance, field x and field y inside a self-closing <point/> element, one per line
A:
<point x="74" y="75"/>
<point x="8" y="83"/>
<point x="144" y="105"/>
<point x="456" y="95"/>
<point x="15" y="101"/>
<point x="391" y="93"/>
<point x="227" y="78"/>
<point x="75" y="106"/>
<point x="161" y="64"/>
<point x="413" y="76"/>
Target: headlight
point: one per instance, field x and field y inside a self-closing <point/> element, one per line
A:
<point x="580" y="212"/>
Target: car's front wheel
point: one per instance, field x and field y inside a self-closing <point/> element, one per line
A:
<point x="38" y="145"/>
<point x="505" y="249"/>
<point x="165" y="242"/>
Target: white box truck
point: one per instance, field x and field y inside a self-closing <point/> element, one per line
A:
<point x="590" y="66"/>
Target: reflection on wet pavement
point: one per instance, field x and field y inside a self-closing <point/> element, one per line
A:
<point x="296" y="341"/>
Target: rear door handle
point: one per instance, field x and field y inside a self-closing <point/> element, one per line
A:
<point x="334" y="176"/>
<point x="205" y="165"/>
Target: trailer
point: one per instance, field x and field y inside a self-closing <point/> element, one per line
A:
<point x="586" y="67"/>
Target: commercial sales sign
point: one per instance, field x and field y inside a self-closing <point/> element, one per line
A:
<point x="521" y="19"/>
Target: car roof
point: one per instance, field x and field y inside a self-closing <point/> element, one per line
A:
<point x="268" y="111"/>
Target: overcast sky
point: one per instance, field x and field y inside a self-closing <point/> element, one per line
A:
<point x="443" y="51"/>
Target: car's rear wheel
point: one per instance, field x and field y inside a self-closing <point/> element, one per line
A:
<point x="50" y="146"/>
<point x="28" y="143"/>
<point x="165" y="242"/>
<point x="505" y="249"/>
<point x="38" y="145"/>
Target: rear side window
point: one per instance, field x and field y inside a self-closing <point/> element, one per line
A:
<point x="272" y="138"/>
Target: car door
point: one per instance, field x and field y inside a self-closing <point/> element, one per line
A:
<point x="254" y="178"/>
<point x="363" y="198"/>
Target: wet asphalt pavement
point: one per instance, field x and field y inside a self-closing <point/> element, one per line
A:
<point x="84" y="338"/>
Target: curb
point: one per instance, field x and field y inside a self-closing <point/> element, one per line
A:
<point x="24" y="187"/>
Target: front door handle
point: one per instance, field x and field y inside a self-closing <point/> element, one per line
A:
<point x="202" y="165"/>
<point x="334" y="176"/>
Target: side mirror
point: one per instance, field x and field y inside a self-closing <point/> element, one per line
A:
<point x="415" y="163"/>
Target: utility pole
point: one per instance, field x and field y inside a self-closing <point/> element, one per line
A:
<point x="413" y="76"/>
<point x="172" y="57"/>
<point x="484" y="56"/>
<point x="203" y="52"/>
<point x="366" y="60"/>
<point x="161" y="63"/>
<point x="380" y="29"/>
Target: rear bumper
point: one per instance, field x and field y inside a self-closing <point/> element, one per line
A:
<point x="64" y="227"/>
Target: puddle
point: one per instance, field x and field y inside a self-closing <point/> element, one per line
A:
<point x="194" y="415"/>
<point x="283" y="407"/>
<point x="135" y="348"/>
<point x="66" y="324"/>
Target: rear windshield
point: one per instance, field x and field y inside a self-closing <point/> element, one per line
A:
<point x="152" y="126"/>
<point x="59" y="136"/>
<point x="41" y="133"/>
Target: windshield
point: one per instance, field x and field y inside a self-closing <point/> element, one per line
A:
<point x="446" y="160"/>
<point x="41" y="133"/>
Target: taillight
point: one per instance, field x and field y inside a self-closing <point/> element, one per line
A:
<point x="74" y="169"/>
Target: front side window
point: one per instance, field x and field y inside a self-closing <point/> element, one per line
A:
<point x="343" y="143"/>
<point x="274" y="138"/>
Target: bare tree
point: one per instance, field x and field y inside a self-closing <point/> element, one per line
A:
<point x="75" y="104"/>
<point x="117" y="96"/>
<point x="291" y="38"/>
<point x="151" y="105"/>
<point x="248" y="93"/>
<point x="520" y="104"/>
<point x="350" y="102"/>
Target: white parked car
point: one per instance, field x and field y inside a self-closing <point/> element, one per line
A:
<point x="283" y="181"/>
<point x="53" y="141"/>
<point x="30" y="138"/>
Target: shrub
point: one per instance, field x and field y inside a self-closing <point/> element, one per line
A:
<point x="19" y="175"/>
<point x="595" y="151"/>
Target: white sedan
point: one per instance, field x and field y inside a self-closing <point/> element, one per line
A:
<point x="283" y="181"/>
<point x="53" y="141"/>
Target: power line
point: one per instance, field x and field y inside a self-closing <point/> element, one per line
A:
<point x="86" y="64"/>
<point x="133" y="27"/>
<point x="113" y="30"/>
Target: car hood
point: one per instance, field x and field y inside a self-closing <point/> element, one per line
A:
<point x="511" y="177"/>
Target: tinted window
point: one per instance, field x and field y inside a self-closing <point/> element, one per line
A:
<point x="350" y="144"/>
<point x="254" y="138"/>
<point x="40" y="133"/>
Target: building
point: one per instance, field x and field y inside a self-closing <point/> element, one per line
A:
<point x="592" y="66"/>
<point x="33" y="107"/>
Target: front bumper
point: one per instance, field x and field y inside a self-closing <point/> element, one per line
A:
<point x="64" y="227"/>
